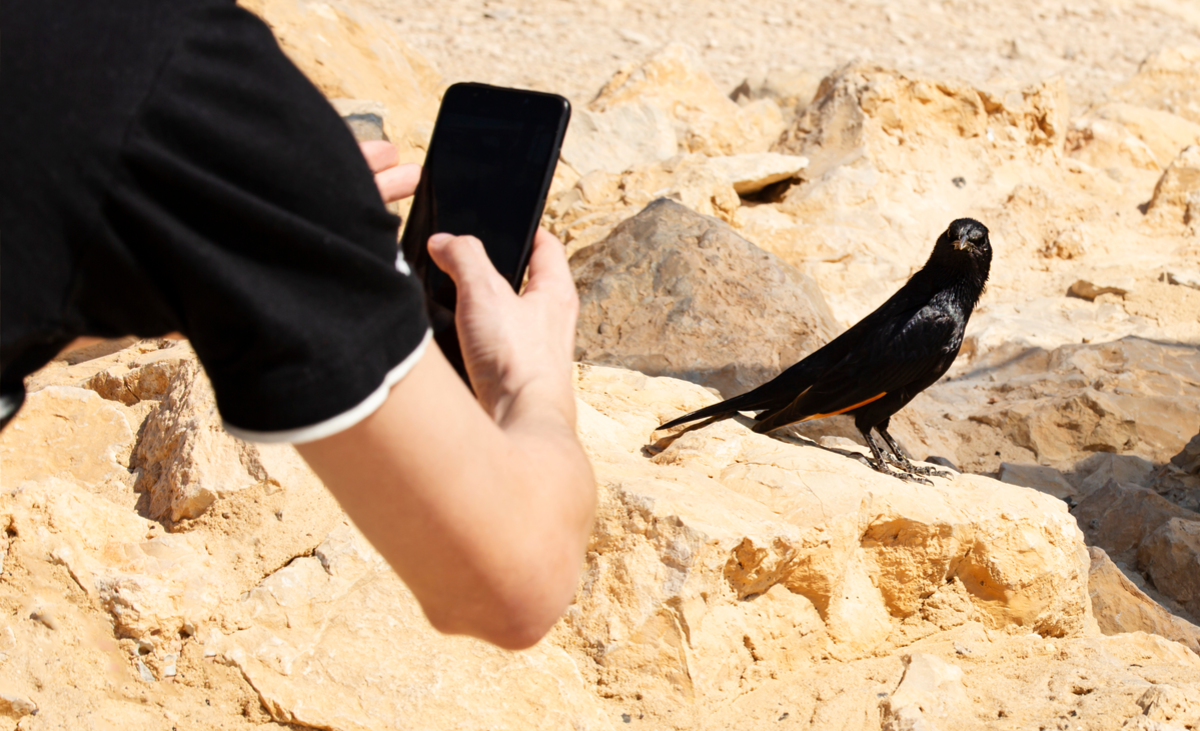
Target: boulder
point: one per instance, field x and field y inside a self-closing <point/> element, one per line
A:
<point x="705" y="119"/>
<point x="1170" y="557"/>
<point x="791" y="88"/>
<point x="1119" y="606"/>
<point x="751" y="172"/>
<point x="1179" y="479"/>
<point x="1176" y="196"/>
<point x="1168" y="80"/>
<point x="1164" y="133"/>
<point x="1105" y="143"/>
<point x="186" y="460"/>
<point x="629" y="136"/>
<point x="1042" y="479"/>
<point x="587" y="212"/>
<point x="712" y="186"/>
<point x="349" y="52"/>
<point x="1131" y="398"/>
<point x="671" y="292"/>
<point x="1119" y="518"/>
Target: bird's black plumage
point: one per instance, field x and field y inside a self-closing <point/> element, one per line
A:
<point x="879" y="365"/>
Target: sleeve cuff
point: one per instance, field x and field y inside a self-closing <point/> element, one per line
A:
<point x="344" y="420"/>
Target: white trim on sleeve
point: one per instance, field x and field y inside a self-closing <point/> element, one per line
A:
<point x="342" y="421"/>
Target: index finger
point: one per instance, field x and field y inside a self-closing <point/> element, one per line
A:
<point x="380" y="155"/>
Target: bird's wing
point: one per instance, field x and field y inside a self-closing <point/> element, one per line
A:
<point x="892" y="356"/>
<point x="781" y="390"/>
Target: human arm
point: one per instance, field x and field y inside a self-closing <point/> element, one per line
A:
<point x="483" y="507"/>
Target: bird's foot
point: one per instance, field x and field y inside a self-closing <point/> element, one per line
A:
<point x="885" y="468"/>
<point x="926" y="470"/>
<point x="906" y="465"/>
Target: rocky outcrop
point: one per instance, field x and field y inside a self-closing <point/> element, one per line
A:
<point x="1121" y="606"/>
<point x="349" y="52"/>
<point x="730" y="576"/>
<point x="671" y="292"/>
<point x="1131" y="397"/>
<point x="1177" y="195"/>
<point x="1169" y="80"/>
<point x="706" y="120"/>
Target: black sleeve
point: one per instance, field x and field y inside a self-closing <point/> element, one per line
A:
<point x="247" y="201"/>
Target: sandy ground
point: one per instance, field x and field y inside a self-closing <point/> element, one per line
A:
<point x="572" y="48"/>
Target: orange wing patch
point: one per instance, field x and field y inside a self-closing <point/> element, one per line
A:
<point x="842" y="411"/>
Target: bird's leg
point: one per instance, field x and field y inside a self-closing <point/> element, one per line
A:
<point x="902" y="460"/>
<point x="881" y="465"/>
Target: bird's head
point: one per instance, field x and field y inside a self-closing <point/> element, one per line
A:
<point x="965" y="241"/>
<point x="964" y="247"/>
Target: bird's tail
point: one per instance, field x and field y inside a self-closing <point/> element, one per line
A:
<point x="722" y="410"/>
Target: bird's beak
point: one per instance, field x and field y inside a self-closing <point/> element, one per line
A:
<point x="961" y="244"/>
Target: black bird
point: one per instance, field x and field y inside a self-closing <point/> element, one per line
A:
<point x="879" y="365"/>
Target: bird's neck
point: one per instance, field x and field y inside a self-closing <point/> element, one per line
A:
<point x="964" y="278"/>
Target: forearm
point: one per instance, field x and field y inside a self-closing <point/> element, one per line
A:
<point x="486" y="523"/>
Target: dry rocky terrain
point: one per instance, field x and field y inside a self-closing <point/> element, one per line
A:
<point x="738" y="185"/>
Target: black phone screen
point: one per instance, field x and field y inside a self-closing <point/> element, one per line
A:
<point x="487" y="172"/>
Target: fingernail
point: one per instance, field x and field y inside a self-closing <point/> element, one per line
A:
<point x="439" y="238"/>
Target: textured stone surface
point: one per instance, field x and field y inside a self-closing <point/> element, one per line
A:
<point x="1168" y="79"/>
<point x="348" y="52"/>
<point x="670" y="292"/>
<point x="626" y="137"/>
<point x="706" y="120"/>
<point x="64" y="429"/>
<point x="1177" y="194"/>
<point x="187" y="460"/>
<point x="1170" y="556"/>
<point x="1120" y="606"/>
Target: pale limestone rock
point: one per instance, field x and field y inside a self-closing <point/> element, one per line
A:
<point x="1170" y="557"/>
<point x="63" y="429"/>
<point x="1120" y="606"/>
<point x="186" y="458"/>
<point x="1168" y="703"/>
<point x="1174" y="193"/>
<point x="14" y="705"/>
<point x="706" y="120"/>
<point x="1105" y="143"/>
<point x="751" y="172"/>
<point x="338" y="642"/>
<point x="349" y="52"/>
<point x="1168" y="80"/>
<point x="792" y="88"/>
<point x="1042" y="479"/>
<point x="857" y="554"/>
<point x="931" y="689"/>
<point x="670" y="292"/>
<point x="1132" y="397"/>
<point x="1184" y="278"/>
<point x="151" y="586"/>
<point x="626" y="137"/>
<point x="1164" y="133"/>
<point x="588" y="212"/>
<point x="1119" y="518"/>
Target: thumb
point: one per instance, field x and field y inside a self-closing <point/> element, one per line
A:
<point x="463" y="258"/>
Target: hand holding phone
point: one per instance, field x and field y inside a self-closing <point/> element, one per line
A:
<point x="491" y="158"/>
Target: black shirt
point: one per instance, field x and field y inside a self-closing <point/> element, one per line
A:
<point x="166" y="168"/>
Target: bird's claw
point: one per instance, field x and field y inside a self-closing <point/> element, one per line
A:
<point x="885" y="468"/>
<point x="926" y="470"/>
<point x="906" y="465"/>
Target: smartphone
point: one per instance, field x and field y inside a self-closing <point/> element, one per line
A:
<point x="488" y="170"/>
